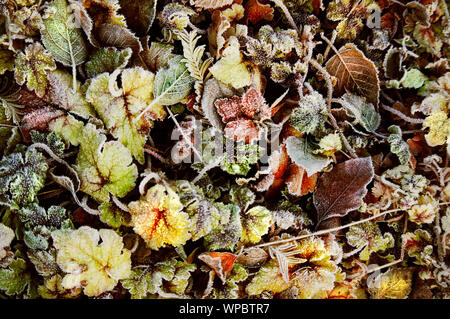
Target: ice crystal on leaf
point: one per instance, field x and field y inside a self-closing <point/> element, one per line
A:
<point x="158" y="218"/>
<point x="95" y="267"/>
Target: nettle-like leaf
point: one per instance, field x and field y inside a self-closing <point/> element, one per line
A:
<point x="104" y="167"/>
<point x="394" y="284"/>
<point x="164" y="278"/>
<point x="255" y="223"/>
<point x="311" y="114"/>
<point x="354" y="73"/>
<point x="62" y="93"/>
<point x="230" y="290"/>
<point x="139" y="14"/>
<point x="61" y="37"/>
<point x="52" y="140"/>
<point x="231" y="69"/>
<point x="95" y="267"/>
<point x="107" y="60"/>
<point x="119" y="109"/>
<point x="32" y="67"/>
<point x="363" y="112"/>
<point x="398" y="146"/>
<point x="158" y="218"/>
<point x="226" y="236"/>
<point x="368" y="236"/>
<point x="172" y="84"/>
<point x="343" y="188"/>
<point x="40" y="223"/>
<point x="301" y="152"/>
<point x="15" y="278"/>
<point x="22" y="175"/>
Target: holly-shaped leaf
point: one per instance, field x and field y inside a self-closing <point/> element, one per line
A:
<point x="33" y="66"/>
<point x="342" y="189"/>
<point x="95" y="267"/>
<point x="104" y="167"/>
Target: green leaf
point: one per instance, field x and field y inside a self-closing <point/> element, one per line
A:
<point x="226" y="236"/>
<point x="230" y="290"/>
<point x="32" y="68"/>
<point x="369" y="237"/>
<point x="107" y="60"/>
<point x="362" y="111"/>
<point x="310" y="115"/>
<point x="6" y="60"/>
<point x="398" y="146"/>
<point x="22" y="175"/>
<point x="172" y="84"/>
<point x="240" y="162"/>
<point x="255" y="223"/>
<point x="15" y="278"/>
<point x="119" y="109"/>
<point x="104" y="167"/>
<point x="112" y="215"/>
<point x="169" y="276"/>
<point x="413" y="79"/>
<point x="68" y="128"/>
<point x="61" y="36"/>
<point x="52" y="140"/>
<point x="300" y="150"/>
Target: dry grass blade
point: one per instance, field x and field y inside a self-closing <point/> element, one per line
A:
<point x="354" y="73"/>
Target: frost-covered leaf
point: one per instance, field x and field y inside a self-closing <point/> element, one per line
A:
<point x="107" y="60"/>
<point x="363" y="112"/>
<point x="6" y="237"/>
<point x="53" y="289"/>
<point x="240" y="162"/>
<point x="165" y="277"/>
<point x="310" y="115"/>
<point x="369" y="236"/>
<point x="439" y="128"/>
<point x="61" y="92"/>
<point x="112" y="215"/>
<point x="63" y="39"/>
<point x="301" y="152"/>
<point x="32" y="67"/>
<point x="398" y="146"/>
<point x="418" y="245"/>
<point x="342" y="189"/>
<point x="6" y="60"/>
<point x="225" y="237"/>
<point x="394" y="284"/>
<point x="268" y="278"/>
<point x="231" y="69"/>
<point x="15" y="278"/>
<point x="172" y="84"/>
<point x="230" y="290"/>
<point x="44" y="261"/>
<point x="95" y="267"/>
<point x="22" y="175"/>
<point x="52" y="140"/>
<point x="156" y="56"/>
<point x="255" y="223"/>
<point x="211" y="4"/>
<point x="158" y="218"/>
<point x="104" y="167"/>
<point x="354" y="73"/>
<point x="119" y="109"/>
<point x="220" y="262"/>
<point x="112" y="35"/>
<point x="139" y="14"/>
<point x="68" y="128"/>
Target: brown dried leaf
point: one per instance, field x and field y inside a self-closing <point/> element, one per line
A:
<point x="343" y="188"/>
<point x="354" y="73"/>
<point x="112" y="35"/>
<point x="255" y="11"/>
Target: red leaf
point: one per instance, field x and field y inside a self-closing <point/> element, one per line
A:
<point x="343" y="188"/>
<point x="221" y="263"/>
<point x="255" y="11"/>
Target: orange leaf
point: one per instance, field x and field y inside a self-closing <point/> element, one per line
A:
<point x="298" y="182"/>
<point x="221" y="263"/>
<point x="255" y="11"/>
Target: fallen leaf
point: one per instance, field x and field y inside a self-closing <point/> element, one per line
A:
<point x="221" y="263"/>
<point x="343" y="188"/>
<point x="355" y="73"/>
